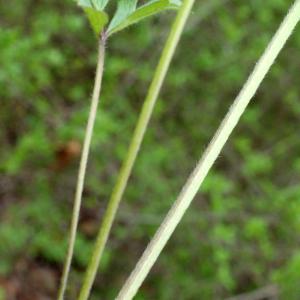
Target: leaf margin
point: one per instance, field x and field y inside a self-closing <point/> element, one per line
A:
<point x="144" y="11"/>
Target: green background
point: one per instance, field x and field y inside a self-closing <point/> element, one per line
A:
<point x="242" y="231"/>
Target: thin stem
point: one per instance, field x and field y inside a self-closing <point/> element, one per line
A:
<point x="195" y="180"/>
<point x="83" y="165"/>
<point x="143" y="121"/>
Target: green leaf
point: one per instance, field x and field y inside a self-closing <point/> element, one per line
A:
<point x="98" y="19"/>
<point x="95" y="14"/>
<point x="96" y="4"/>
<point x="144" y="11"/>
<point x="124" y="9"/>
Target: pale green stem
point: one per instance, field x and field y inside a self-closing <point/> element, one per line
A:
<point x="82" y="168"/>
<point x="195" y="180"/>
<point x="135" y="144"/>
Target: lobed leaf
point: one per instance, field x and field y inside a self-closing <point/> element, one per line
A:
<point x="124" y="9"/>
<point x="95" y="14"/>
<point x="144" y="11"/>
<point x="96" y="4"/>
<point x="98" y="19"/>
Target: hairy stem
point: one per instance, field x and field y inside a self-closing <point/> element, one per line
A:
<point x="195" y="180"/>
<point x="143" y="121"/>
<point x="82" y="167"/>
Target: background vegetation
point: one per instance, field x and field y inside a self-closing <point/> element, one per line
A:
<point x="242" y="231"/>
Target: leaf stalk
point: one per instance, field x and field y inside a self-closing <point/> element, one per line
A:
<point x="83" y="165"/>
<point x="210" y="155"/>
<point x="135" y="144"/>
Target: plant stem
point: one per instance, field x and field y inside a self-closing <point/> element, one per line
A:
<point x="83" y="166"/>
<point x="195" y="180"/>
<point x="143" y="121"/>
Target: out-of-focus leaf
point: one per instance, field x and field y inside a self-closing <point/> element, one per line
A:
<point x="147" y="10"/>
<point x="94" y="10"/>
<point x="124" y="9"/>
<point x="98" y="19"/>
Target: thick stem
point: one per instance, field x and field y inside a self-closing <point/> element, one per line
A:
<point x="135" y="144"/>
<point x="195" y="180"/>
<point x="82" y="167"/>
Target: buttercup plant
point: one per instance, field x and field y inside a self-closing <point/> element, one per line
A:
<point x="126" y="14"/>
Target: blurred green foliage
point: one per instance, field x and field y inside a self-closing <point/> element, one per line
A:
<point x="242" y="230"/>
